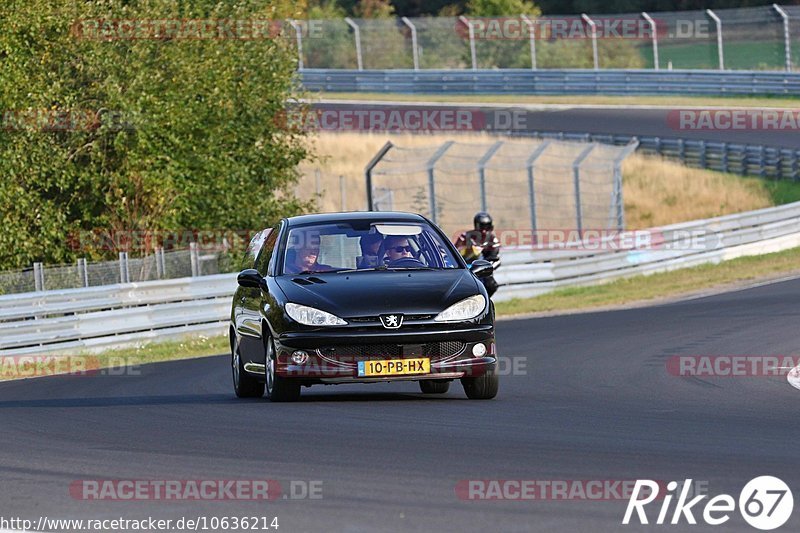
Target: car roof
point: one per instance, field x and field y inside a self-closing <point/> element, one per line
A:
<point x="383" y="216"/>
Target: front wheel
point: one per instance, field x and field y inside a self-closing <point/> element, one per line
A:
<point x="244" y="385"/>
<point x="482" y="387"/>
<point x="279" y="389"/>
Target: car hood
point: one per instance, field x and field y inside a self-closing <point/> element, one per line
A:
<point x="377" y="292"/>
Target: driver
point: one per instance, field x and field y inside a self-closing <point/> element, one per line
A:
<point x="398" y="247"/>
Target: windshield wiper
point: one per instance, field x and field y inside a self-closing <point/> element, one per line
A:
<point x="351" y="270"/>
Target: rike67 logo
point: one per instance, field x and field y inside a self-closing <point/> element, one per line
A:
<point x="765" y="503"/>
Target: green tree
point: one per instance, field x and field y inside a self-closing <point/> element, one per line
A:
<point x="186" y="133"/>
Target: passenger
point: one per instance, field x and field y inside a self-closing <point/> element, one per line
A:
<point x="303" y="260"/>
<point x="370" y="248"/>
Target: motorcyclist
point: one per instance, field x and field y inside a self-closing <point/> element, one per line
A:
<point x="481" y="243"/>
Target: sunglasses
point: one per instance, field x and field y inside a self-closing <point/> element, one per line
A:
<point x="401" y="249"/>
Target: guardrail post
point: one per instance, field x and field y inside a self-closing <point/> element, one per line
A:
<point x="787" y="43"/>
<point x="725" y="166"/>
<point x="343" y="192"/>
<point x="762" y="170"/>
<point x="38" y="277"/>
<point x="298" y="32"/>
<point x="370" y="167"/>
<point x="83" y="272"/>
<point x="472" y="51"/>
<point x="702" y="154"/>
<point x="531" y="38"/>
<point x="194" y="258"/>
<point x="657" y="143"/>
<point x="593" y="27"/>
<point x="654" y="28"/>
<point x="531" y="188"/>
<point x="357" y="33"/>
<point x="160" y="263"/>
<point x="432" y="179"/>
<point x="682" y="150"/>
<point x="576" y="173"/>
<point x="482" y="171"/>
<point x="124" y="275"/>
<point x="414" y="47"/>
<point x="720" y="53"/>
<point x="794" y="165"/>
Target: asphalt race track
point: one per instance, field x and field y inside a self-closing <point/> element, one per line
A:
<point x="635" y="120"/>
<point x="590" y="400"/>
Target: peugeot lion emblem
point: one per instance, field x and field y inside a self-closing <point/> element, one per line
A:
<point x="392" y="321"/>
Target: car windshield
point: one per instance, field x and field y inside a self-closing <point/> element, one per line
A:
<point x="356" y="246"/>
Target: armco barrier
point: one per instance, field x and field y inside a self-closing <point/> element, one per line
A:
<point x="99" y="317"/>
<point x="559" y="82"/>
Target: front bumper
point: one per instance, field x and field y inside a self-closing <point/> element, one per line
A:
<point x="333" y="357"/>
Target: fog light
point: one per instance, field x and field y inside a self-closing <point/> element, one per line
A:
<point x="479" y="350"/>
<point x="299" y="357"/>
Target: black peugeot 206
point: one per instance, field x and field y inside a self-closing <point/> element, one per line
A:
<point x="360" y="298"/>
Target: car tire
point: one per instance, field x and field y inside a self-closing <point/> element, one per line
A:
<point x="279" y="389"/>
<point x="244" y="385"/>
<point x="434" y="386"/>
<point x="482" y="387"/>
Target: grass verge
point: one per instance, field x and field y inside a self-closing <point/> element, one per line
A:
<point x="659" y="286"/>
<point x="517" y="99"/>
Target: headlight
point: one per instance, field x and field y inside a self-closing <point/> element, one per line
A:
<point x="312" y="317"/>
<point x="466" y="309"/>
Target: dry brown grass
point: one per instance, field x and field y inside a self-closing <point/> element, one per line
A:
<point x="656" y="191"/>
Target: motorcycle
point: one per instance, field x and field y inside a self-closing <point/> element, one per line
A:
<point x="488" y="251"/>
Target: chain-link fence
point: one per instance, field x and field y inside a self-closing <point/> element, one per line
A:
<point x="755" y="38"/>
<point x="542" y="184"/>
<point x="160" y="265"/>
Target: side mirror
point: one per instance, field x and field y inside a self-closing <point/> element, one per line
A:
<point x="481" y="268"/>
<point x="250" y="278"/>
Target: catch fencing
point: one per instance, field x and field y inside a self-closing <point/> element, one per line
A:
<point x="531" y="183"/>
<point x="753" y="38"/>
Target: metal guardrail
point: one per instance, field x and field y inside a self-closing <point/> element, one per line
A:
<point x="745" y="159"/>
<point x="528" y="273"/>
<point x="547" y="82"/>
<point x="100" y="317"/>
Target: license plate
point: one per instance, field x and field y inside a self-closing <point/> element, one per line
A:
<point x="394" y="367"/>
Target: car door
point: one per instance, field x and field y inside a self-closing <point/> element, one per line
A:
<point x="251" y="344"/>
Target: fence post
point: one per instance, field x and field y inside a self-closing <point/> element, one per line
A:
<point x="787" y="43"/>
<point x="298" y="31"/>
<point x="482" y="171"/>
<point x="431" y="178"/>
<point x="593" y="26"/>
<point x="38" y="277"/>
<point x="194" y="259"/>
<point x="343" y="193"/>
<point x="83" y="272"/>
<point x="718" y="22"/>
<point x="414" y="47"/>
<point x="532" y="39"/>
<point x="159" y="263"/>
<point x="472" y="52"/>
<point x="576" y="173"/>
<point x="617" y="200"/>
<point x="124" y="276"/>
<point x="357" y="34"/>
<point x="531" y="186"/>
<point x="654" y="28"/>
<point x="369" y="168"/>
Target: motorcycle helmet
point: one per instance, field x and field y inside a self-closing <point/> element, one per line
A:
<point x="483" y="221"/>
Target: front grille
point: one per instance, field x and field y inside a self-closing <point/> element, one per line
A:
<point x="362" y="352"/>
<point x="376" y="319"/>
